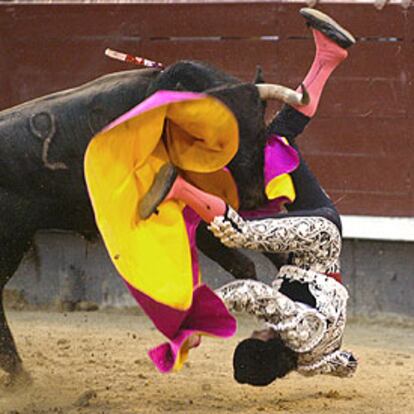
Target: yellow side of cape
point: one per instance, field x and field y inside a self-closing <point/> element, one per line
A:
<point x="120" y="164"/>
<point x="281" y="186"/>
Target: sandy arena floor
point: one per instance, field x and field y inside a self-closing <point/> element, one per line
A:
<point x="92" y="363"/>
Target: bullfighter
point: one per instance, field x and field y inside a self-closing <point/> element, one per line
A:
<point x="202" y="133"/>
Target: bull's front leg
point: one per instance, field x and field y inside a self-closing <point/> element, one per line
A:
<point x="15" y="239"/>
<point x="10" y="360"/>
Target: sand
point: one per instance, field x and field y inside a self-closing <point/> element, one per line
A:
<point x="96" y="362"/>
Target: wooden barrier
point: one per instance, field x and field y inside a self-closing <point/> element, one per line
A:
<point x="360" y="144"/>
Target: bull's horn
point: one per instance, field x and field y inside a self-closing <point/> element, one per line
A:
<point x="282" y="93"/>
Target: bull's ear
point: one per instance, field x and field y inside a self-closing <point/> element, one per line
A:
<point x="259" y="77"/>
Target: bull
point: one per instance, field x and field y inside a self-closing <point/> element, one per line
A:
<point x="42" y="146"/>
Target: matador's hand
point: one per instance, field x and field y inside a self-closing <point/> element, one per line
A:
<point x="231" y="229"/>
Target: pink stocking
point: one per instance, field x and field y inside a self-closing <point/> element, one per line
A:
<point x="206" y="205"/>
<point x="328" y="56"/>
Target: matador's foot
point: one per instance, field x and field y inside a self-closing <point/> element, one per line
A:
<point x="328" y="26"/>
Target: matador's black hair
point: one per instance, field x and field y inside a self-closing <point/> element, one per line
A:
<point x="259" y="363"/>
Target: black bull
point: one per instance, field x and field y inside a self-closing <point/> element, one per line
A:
<point x="42" y="146"/>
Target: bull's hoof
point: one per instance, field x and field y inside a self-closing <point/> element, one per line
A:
<point x="18" y="381"/>
<point x="159" y="189"/>
<point x="328" y="26"/>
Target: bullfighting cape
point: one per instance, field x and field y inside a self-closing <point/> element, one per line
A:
<point x="195" y="132"/>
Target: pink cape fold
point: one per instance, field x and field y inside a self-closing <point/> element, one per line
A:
<point x="280" y="158"/>
<point x="158" y="99"/>
<point x="207" y="315"/>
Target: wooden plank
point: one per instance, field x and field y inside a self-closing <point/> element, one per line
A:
<point x="409" y="75"/>
<point x="366" y="59"/>
<point x="151" y="20"/>
<point x="371" y="174"/>
<point x="195" y="19"/>
<point x="225" y="54"/>
<point x="342" y="97"/>
<point x="361" y="98"/>
<point x="373" y="204"/>
<point x="5" y="66"/>
<point x="375" y="98"/>
<point x="56" y="72"/>
<point x="281" y="59"/>
<point x="44" y="67"/>
<point x="357" y="136"/>
<point x="409" y="24"/>
<point x="371" y="83"/>
<point x="364" y="20"/>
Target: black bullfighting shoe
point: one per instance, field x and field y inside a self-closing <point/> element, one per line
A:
<point x="328" y="26"/>
<point x="160" y="187"/>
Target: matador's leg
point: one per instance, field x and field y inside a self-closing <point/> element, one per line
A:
<point x="313" y="242"/>
<point x="331" y="41"/>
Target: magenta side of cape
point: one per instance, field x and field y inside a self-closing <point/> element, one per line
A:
<point x="207" y="315"/>
<point x="159" y="98"/>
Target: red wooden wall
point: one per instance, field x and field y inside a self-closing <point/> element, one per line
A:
<point x="360" y="145"/>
